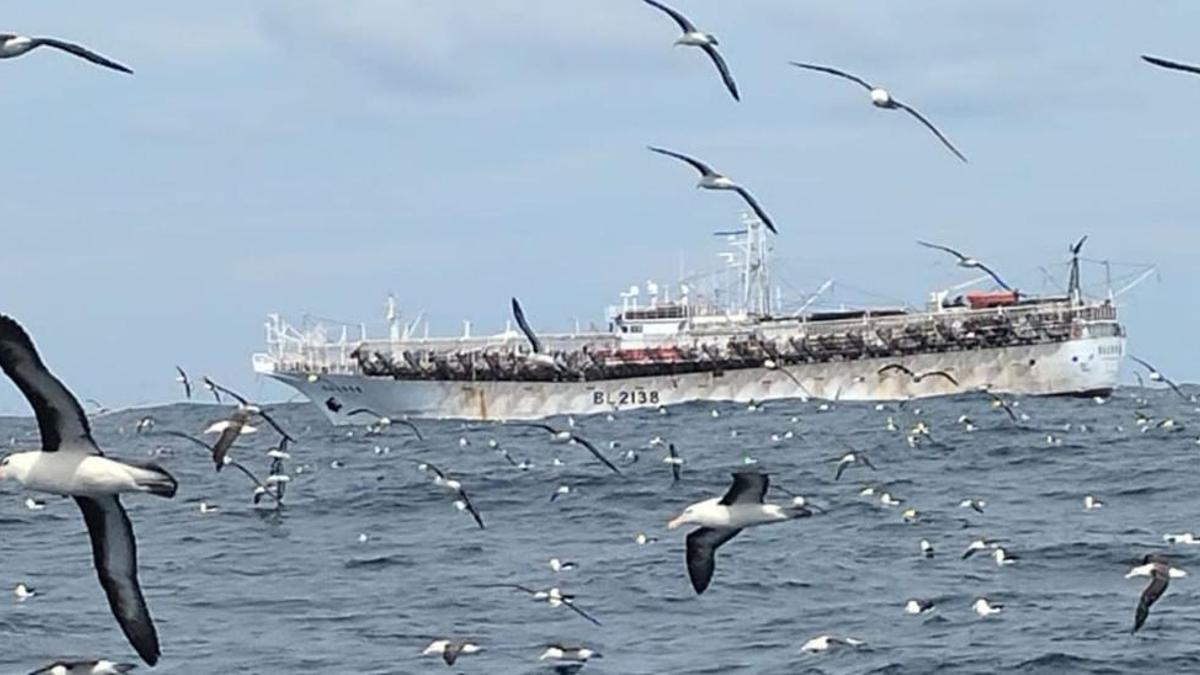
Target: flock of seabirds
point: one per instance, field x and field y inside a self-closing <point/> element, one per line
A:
<point x="70" y="463"/>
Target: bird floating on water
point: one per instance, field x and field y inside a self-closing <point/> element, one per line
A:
<point x="85" y="667"/>
<point x="881" y="98"/>
<point x="694" y="37"/>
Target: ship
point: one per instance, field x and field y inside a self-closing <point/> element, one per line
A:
<point x="729" y="343"/>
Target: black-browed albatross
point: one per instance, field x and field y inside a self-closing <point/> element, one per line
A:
<point x="538" y="354"/>
<point x="694" y="37"/>
<point x="722" y="518"/>
<point x="85" y="667"/>
<point x="710" y="179"/>
<point x="564" y="436"/>
<point x="881" y="98"/>
<point x="968" y="262"/>
<point x="70" y="464"/>
<point x="18" y="45"/>
<point x="1171" y="65"/>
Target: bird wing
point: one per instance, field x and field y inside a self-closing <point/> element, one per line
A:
<point x="865" y="460"/>
<point x="414" y="428"/>
<point x="1079" y="245"/>
<point x="450" y="655"/>
<point x="1158" y="586"/>
<point x="228" y="392"/>
<point x="758" y="210"/>
<point x="702" y="554"/>
<point x="592" y="449"/>
<point x="225" y="441"/>
<point x="749" y="487"/>
<point x="1144" y="363"/>
<point x="180" y="434"/>
<point x="895" y="366"/>
<point x="187" y="384"/>
<point x="519" y="315"/>
<point x="947" y="249"/>
<point x="684" y="24"/>
<point x="471" y="508"/>
<point x="275" y="425"/>
<point x="841" y="468"/>
<point x="1007" y="408"/>
<point x="114" y="552"/>
<point x="834" y="71"/>
<point x="212" y="387"/>
<point x="676" y="468"/>
<point x="929" y="125"/>
<point x="995" y="277"/>
<point x="535" y="425"/>
<point x="440" y="474"/>
<point x="258" y="483"/>
<point x="580" y="612"/>
<point x="1176" y="388"/>
<point x="60" y="418"/>
<point x="704" y="169"/>
<point x="363" y="411"/>
<point x="82" y="53"/>
<point x="723" y="67"/>
<point x="937" y="373"/>
<point x="1173" y="65"/>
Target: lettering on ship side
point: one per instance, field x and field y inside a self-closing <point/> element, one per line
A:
<point x="626" y="397"/>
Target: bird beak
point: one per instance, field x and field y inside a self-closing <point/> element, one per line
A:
<point x="677" y="521"/>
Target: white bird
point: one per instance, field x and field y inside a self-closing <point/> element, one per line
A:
<point x="557" y="652"/>
<point x="824" y="642"/>
<point x="17" y="45"/>
<point x="1002" y="557"/>
<point x="968" y="262"/>
<point x="641" y="538"/>
<point x="23" y="592"/>
<point x="85" y="667"/>
<point x="694" y="37"/>
<point x="973" y="504"/>
<point x="983" y="608"/>
<point x="980" y="545"/>
<point x="918" y="606"/>
<point x="537" y="353"/>
<point x="880" y="98"/>
<point x="711" y="180"/>
<point x="1182" y="538"/>
<point x="34" y="504"/>
<point x="926" y="548"/>
<point x="1090" y="503"/>
<point x="450" y="650"/>
<point x="722" y="518"/>
<point x="71" y="464"/>
<point x="852" y="458"/>
<point x="561" y="565"/>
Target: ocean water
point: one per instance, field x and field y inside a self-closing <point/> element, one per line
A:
<point x="252" y="590"/>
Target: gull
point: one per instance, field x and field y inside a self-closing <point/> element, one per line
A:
<point x="1157" y="376"/>
<point x="980" y="545"/>
<point x="711" y="180"/>
<point x="555" y="597"/>
<point x="562" y="436"/>
<point x="18" y="45"/>
<point x="561" y="565"/>
<point x="886" y="499"/>
<point x="1172" y="65"/>
<point x="34" y="504"/>
<point x="675" y="461"/>
<point x="450" y="650"/>
<point x="182" y="378"/>
<point x="852" y="458"/>
<point x="880" y="98"/>
<point x="538" y="354"/>
<point x="983" y="608"/>
<point x="557" y="652"/>
<point x="722" y="518"/>
<point x="968" y="263"/>
<point x="917" y="378"/>
<point x="824" y="642"/>
<point x="24" y="592"/>
<point x="85" y="667"/>
<point x="1090" y="503"/>
<point x="442" y="480"/>
<point x="693" y="37"/>
<point x="1160" y="572"/>
<point x="382" y="421"/>
<point x="71" y="464"/>
<point x="973" y="504"/>
<point x="1002" y="557"/>
<point x="918" y="606"/>
<point x="207" y="508"/>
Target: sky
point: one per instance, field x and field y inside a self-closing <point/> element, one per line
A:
<point x="296" y="156"/>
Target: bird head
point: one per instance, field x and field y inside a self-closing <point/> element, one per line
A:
<point x="688" y="516"/>
<point x="17" y="466"/>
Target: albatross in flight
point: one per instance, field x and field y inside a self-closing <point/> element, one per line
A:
<point x="711" y="180"/>
<point x="538" y="354"/>
<point x="880" y="98"/>
<point x="968" y="262"/>
<point x="722" y="518"/>
<point x="70" y="464"/>
<point x="563" y="436"/>
<point x="18" y="45"/>
<point x="1157" y="376"/>
<point x="693" y="37"/>
<point x="1171" y="65"/>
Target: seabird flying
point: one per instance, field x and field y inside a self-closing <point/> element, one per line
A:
<point x="450" y="650"/>
<point x="1172" y="65"/>
<point x="260" y="487"/>
<point x="852" y="458"/>
<point x="555" y="597"/>
<point x="975" y="505"/>
<point x="86" y="667"/>
<point x="252" y="408"/>
<point x="917" y="377"/>
<point x="563" y="436"/>
<point x="980" y="545"/>
<point x="71" y="464"/>
<point x="382" y="421"/>
<point x="538" y="354"/>
<point x="722" y="518"/>
<point x="675" y="461"/>
<point x="711" y="180"/>
<point x="693" y="37"/>
<point x="880" y="98"/>
<point x="442" y="480"/>
<point x="968" y="263"/>
<point x="17" y="45"/>
<point x="1160" y="573"/>
<point x="182" y="378"/>
<point x="1157" y="376"/>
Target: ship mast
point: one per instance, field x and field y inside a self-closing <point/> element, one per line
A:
<point x="756" y="273"/>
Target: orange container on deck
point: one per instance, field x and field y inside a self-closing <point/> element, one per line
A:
<point x="985" y="299"/>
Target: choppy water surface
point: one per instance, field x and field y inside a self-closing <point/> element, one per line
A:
<point x="247" y="590"/>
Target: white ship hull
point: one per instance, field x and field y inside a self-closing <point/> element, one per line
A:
<point x="1082" y="366"/>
